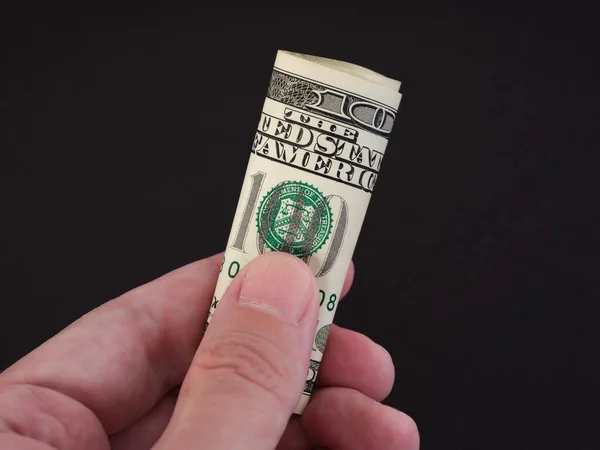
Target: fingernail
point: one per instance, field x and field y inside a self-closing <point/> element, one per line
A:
<point x="277" y="283"/>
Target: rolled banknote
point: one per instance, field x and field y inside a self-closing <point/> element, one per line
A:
<point x="313" y="165"/>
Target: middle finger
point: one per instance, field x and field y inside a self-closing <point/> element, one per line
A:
<point x="354" y="361"/>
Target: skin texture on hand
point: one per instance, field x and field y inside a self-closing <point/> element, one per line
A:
<point x="107" y="381"/>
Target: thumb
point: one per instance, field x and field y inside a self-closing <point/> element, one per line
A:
<point x="249" y="371"/>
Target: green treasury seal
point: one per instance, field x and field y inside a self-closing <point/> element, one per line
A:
<point x="294" y="217"/>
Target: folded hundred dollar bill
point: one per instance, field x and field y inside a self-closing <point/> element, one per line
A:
<point x="313" y="165"/>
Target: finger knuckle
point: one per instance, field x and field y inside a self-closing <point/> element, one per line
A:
<point x="244" y="359"/>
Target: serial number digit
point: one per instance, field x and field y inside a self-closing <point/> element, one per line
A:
<point x="331" y="303"/>
<point x="234" y="268"/>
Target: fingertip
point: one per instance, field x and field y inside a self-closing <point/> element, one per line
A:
<point x="280" y="283"/>
<point x="215" y="261"/>
<point x="349" y="279"/>
<point x="388" y="371"/>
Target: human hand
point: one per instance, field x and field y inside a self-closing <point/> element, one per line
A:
<point x="107" y="381"/>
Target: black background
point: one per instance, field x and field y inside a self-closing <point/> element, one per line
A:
<point x="124" y="140"/>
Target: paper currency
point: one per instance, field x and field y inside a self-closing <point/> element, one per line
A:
<point x="313" y="165"/>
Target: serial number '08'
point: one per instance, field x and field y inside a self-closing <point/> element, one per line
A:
<point x="332" y="250"/>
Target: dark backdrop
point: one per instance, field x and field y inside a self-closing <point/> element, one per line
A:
<point x="125" y="139"/>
